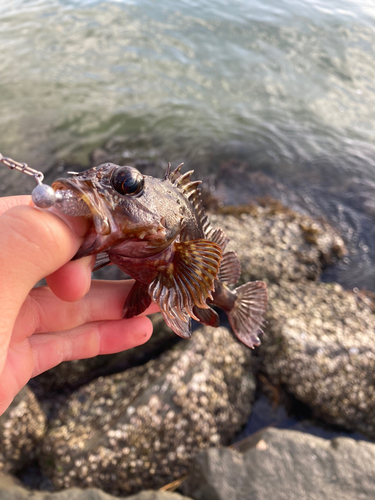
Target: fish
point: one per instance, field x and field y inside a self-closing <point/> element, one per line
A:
<point x="157" y="232"/>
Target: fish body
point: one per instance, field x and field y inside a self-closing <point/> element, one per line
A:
<point x="156" y="231"/>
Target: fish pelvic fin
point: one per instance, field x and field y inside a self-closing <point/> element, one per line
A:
<point x="137" y="301"/>
<point x="247" y="316"/>
<point x="102" y="260"/>
<point x="185" y="282"/>
<point x="207" y="316"/>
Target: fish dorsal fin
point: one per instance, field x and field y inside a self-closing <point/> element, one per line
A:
<point x="168" y="172"/>
<point x="187" y="280"/>
<point x="230" y="269"/>
<point x="194" y="195"/>
<point x="195" y="198"/>
<point x="173" y="176"/>
<point x="183" y="179"/>
<point x="218" y="236"/>
<point x="188" y="187"/>
<point x="192" y="191"/>
<point x="137" y="301"/>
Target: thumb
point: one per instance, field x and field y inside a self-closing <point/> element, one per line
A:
<point x="33" y="244"/>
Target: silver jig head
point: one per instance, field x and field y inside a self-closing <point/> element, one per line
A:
<point x="44" y="196"/>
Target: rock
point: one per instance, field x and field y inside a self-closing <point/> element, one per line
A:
<point x="274" y="243"/>
<point x="285" y="465"/>
<point x="70" y="375"/>
<point x="22" y="426"/>
<point x="10" y="489"/>
<point x="320" y="343"/>
<point x="139" y="429"/>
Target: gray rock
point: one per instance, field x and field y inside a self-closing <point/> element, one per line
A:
<point x="22" y="426"/>
<point x="320" y="343"/>
<point x="285" y="465"/>
<point x="10" y="489"/>
<point x="139" y="429"/>
<point x="275" y="243"/>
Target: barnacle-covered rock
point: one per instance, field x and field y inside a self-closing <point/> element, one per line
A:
<point x="21" y="428"/>
<point x="139" y="429"/>
<point x="320" y="343"/>
<point x="274" y="243"/>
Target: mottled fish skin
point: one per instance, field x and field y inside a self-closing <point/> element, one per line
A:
<point x="156" y="231"/>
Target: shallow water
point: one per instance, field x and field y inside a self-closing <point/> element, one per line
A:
<point x="284" y="88"/>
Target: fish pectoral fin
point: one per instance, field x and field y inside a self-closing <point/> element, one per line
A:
<point x="137" y="301"/>
<point x="230" y="269"/>
<point x="207" y="316"/>
<point x="180" y="326"/>
<point x="247" y="316"/>
<point x="185" y="282"/>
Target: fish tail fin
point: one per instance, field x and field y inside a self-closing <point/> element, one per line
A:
<point x="247" y="315"/>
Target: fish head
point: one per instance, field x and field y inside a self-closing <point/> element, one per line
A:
<point x="142" y="214"/>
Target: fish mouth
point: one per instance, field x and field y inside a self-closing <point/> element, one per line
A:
<point x="94" y="206"/>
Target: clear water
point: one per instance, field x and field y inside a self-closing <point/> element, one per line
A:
<point x="233" y="88"/>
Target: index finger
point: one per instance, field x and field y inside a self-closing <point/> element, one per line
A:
<point x="12" y="201"/>
<point x="33" y="244"/>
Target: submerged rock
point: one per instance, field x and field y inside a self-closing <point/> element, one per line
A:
<point x="139" y="429"/>
<point x="320" y="343"/>
<point x="22" y="426"/>
<point x="285" y="465"/>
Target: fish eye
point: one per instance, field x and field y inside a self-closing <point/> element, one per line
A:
<point x="127" y="181"/>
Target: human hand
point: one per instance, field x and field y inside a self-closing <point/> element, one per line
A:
<point x="69" y="319"/>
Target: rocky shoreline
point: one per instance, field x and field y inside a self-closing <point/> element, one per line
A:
<point x="145" y="418"/>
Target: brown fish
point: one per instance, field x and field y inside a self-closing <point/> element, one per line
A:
<point x="156" y="231"/>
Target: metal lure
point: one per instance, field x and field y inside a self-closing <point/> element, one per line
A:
<point x="44" y="196"/>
